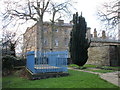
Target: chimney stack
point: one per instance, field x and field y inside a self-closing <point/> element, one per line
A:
<point x="88" y="34"/>
<point x="61" y="21"/>
<point x="103" y="34"/>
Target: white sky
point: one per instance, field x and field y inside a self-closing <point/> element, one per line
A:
<point x="88" y="9"/>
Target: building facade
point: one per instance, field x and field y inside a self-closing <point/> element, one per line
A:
<point x="56" y="40"/>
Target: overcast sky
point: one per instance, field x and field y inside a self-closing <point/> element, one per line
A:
<point x="88" y="9"/>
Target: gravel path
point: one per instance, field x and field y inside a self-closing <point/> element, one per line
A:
<point x="111" y="77"/>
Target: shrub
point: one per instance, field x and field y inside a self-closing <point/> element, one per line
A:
<point x="81" y="67"/>
<point x="8" y="62"/>
<point x="74" y="65"/>
<point x="20" y="62"/>
<point x="90" y="66"/>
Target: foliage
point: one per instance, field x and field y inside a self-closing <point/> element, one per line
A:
<point x="74" y="66"/>
<point x="8" y="62"/>
<point x="19" y="63"/>
<point x="110" y="68"/>
<point x="78" y="42"/>
<point x="76" y="79"/>
<point x="89" y="65"/>
<point x="82" y="67"/>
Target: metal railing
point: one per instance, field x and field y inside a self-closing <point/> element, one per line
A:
<point x="48" y="62"/>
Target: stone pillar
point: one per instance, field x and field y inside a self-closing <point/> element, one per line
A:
<point x="88" y="34"/>
<point x="103" y="34"/>
<point x="95" y="33"/>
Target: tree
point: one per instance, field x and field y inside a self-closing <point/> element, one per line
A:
<point x="78" y="42"/>
<point x="28" y="10"/>
<point x="58" y="10"/>
<point x="34" y="10"/>
<point x="10" y="40"/>
<point x="110" y="13"/>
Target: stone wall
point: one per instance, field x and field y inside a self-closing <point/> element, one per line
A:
<point x="104" y="55"/>
<point x="98" y="55"/>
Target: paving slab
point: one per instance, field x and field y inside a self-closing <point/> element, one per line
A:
<point x="111" y="77"/>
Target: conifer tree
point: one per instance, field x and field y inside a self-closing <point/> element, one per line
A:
<point x="79" y="44"/>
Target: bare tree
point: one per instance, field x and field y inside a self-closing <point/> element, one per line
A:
<point x="10" y="40"/>
<point x="28" y="10"/>
<point x="110" y="13"/>
<point x="59" y="10"/>
<point x="34" y="10"/>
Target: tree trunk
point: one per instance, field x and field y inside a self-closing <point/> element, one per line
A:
<point x="40" y="38"/>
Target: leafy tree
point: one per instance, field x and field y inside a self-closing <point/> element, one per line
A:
<point x="78" y="43"/>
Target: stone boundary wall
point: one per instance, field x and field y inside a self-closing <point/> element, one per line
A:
<point x="98" y="55"/>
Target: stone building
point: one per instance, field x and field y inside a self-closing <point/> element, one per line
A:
<point x="102" y="51"/>
<point x="59" y="42"/>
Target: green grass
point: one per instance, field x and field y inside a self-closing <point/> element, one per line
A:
<point x="109" y="67"/>
<point x="90" y="66"/>
<point x="100" y="71"/>
<point x="76" y="79"/>
<point x="74" y="66"/>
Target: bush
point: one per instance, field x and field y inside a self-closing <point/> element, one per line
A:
<point x="8" y="62"/>
<point x="90" y="66"/>
<point x="20" y="62"/>
<point x="74" y="65"/>
<point x="81" y="67"/>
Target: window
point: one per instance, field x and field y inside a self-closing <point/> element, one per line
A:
<point x="56" y="42"/>
<point x="66" y="41"/>
<point x="56" y="30"/>
<point x="45" y="29"/>
<point x="45" y="42"/>
<point x="65" y="31"/>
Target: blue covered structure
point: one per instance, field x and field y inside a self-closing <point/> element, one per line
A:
<point x="48" y="62"/>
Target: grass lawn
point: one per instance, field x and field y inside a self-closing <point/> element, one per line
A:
<point x="100" y="70"/>
<point x="76" y="79"/>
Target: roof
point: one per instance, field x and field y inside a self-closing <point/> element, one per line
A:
<point x="56" y="24"/>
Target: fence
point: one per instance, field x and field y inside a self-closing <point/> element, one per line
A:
<point x="47" y="62"/>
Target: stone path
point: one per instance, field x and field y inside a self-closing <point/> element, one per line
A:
<point x="111" y="77"/>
